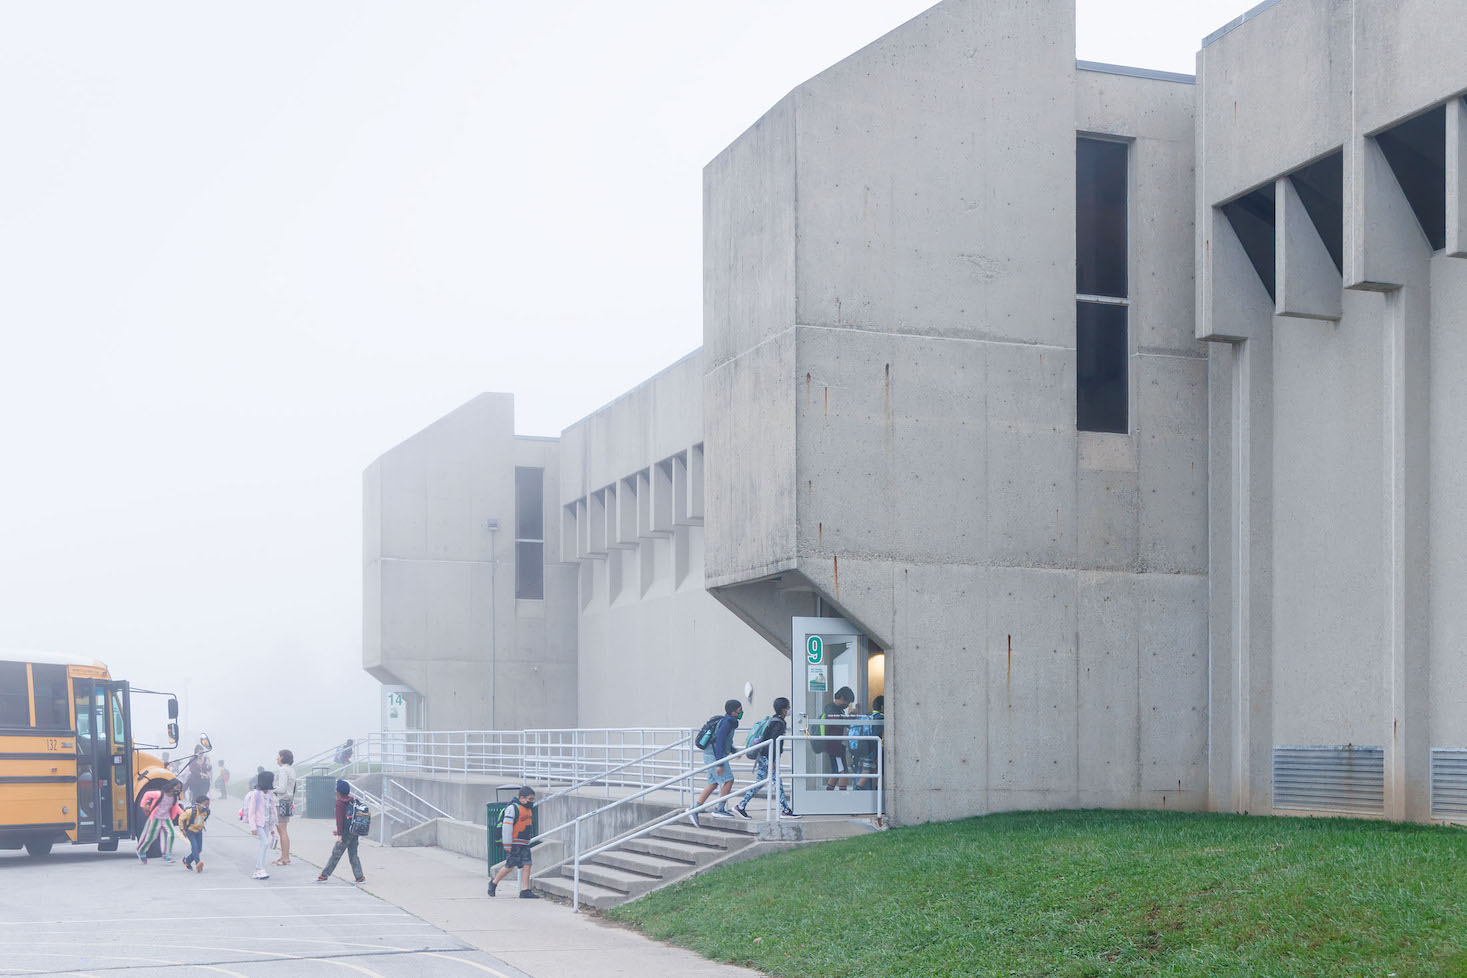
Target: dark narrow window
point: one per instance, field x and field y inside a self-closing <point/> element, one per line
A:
<point x="1252" y="218"/>
<point x="529" y="533"/>
<point x="1321" y="188"/>
<point x="1100" y="367"/>
<point x="1102" y="258"/>
<point x="53" y="702"/>
<point x="15" y="695"/>
<point x="1100" y="218"/>
<point x="1417" y="152"/>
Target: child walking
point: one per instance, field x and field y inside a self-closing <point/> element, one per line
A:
<point x="162" y="807"/>
<point x="192" y="823"/>
<point x="260" y="813"/>
<point x="516" y="830"/>
<point x="346" y="839"/>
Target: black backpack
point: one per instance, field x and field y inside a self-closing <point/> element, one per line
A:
<point x="707" y="732"/>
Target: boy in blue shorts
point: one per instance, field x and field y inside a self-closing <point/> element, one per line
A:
<point x="720" y="777"/>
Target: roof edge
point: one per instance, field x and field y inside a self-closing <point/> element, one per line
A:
<point x="1238" y="21"/>
<point x="1152" y="73"/>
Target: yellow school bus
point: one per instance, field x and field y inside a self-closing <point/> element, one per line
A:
<point x="69" y="770"/>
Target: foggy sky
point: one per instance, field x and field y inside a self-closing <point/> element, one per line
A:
<point x="246" y="248"/>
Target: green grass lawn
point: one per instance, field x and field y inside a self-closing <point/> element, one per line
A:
<point x="1082" y="893"/>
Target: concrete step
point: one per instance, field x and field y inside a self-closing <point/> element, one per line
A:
<point x="705" y="836"/>
<point x="596" y="897"/>
<point x="687" y="852"/>
<point x="647" y="865"/>
<point x="623" y="882"/>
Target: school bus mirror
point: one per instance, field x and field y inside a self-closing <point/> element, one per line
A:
<point x="173" y="734"/>
<point x="173" y="709"/>
<point x="204" y="742"/>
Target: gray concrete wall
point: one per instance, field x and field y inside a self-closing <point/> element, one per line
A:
<point x="1335" y="559"/>
<point x="656" y="650"/>
<point x="439" y="609"/>
<point x="1041" y="590"/>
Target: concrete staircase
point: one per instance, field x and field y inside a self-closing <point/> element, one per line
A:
<point x="664" y="856"/>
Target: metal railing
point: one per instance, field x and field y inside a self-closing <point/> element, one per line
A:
<point x="392" y="806"/>
<point x="768" y="783"/>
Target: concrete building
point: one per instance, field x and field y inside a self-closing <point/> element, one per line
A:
<point x="1105" y="414"/>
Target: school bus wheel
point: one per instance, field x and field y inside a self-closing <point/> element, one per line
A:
<point x="38" y="847"/>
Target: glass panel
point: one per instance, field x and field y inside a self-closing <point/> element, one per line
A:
<point x="1100" y="217"/>
<point x="829" y="690"/>
<point x="529" y="504"/>
<point x="119" y="724"/>
<point x="1417" y="153"/>
<point x="86" y="701"/>
<point x="1100" y="367"/>
<point x="529" y="571"/>
<point x="15" y="696"/>
<point x="53" y="699"/>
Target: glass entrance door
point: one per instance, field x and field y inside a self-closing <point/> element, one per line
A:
<point x="829" y="703"/>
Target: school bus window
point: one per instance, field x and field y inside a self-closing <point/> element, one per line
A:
<point x="119" y="727"/>
<point x="52" y="700"/>
<point x="84" y="716"/>
<point x="15" y="700"/>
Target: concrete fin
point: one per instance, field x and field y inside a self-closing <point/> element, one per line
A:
<point x="1457" y="178"/>
<point x="1309" y="285"/>
<point x="1382" y="236"/>
<point x="1234" y="302"/>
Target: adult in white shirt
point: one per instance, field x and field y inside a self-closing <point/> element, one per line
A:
<point x="285" y="802"/>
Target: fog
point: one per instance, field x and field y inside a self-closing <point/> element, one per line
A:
<point x="246" y="248"/>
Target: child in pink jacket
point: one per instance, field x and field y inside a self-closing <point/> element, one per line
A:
<point x="162" y="808"/>
<point x="260" y="813"/>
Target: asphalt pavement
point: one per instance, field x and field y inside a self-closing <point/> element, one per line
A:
<point x="86" y="913"/>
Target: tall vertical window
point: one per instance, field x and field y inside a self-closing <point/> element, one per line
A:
<point x="15" y="695"/>
<point x="529" y="534"/>
<point x="1102" y="259"/>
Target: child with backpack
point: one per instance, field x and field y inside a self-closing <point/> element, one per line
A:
<point x="863" y="752"/>
<point x="835" y="748"/>
<point x="161" y="808"/>
<point x="192" y="823"/>
<point x="350" y="827"/>
<point x="767" y="731"/>
<point x="716" y="739"/>
<point x="516" y="832"/>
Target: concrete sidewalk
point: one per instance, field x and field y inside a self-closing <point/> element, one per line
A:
<point x="541" y="938"/>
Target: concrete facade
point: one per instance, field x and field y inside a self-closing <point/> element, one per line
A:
<point x="1239" y="602"/>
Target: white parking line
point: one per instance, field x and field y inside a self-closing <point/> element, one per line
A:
<point x="170" y="920"/>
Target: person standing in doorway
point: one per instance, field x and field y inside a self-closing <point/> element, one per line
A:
<point x="835" y="747"/>
<point x="346" y="839"/>
<point x="260" y="813"/>
<point x="774" y="728"/>
<point x="719" y="748"/>
<point x="516" y="833"/>
<point x="864" y="752"/>
<point x="285" y="782"/>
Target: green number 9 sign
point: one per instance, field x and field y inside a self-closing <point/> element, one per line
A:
<point x="814" y="650"/>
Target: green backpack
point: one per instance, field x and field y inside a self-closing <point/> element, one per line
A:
<point x="757" y="734"/>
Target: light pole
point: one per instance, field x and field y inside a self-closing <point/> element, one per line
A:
<point x="493" y="627"/>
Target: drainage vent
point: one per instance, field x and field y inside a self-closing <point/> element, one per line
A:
<point x="1449" y="784"/>
<point x="1347" y="780"/>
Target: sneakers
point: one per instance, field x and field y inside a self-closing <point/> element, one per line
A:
<point x="692" y="817"/>
<point x="199" y="866"/>
<point x="721" y="810"/>
<point x="321" y="879"/>
<point x="529" y="895"/>
<point x="493" y="887"/>
<point x="361" y="879"/>
<point x="743" y="812"/>
<point x="143" y="858"/>
<point x="787" y="813"/>
<point x="260" y="874"/>
<point x="187" y="864"/>
<point x="168" y="859"/>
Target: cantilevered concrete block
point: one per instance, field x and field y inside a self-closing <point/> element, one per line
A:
<point x="1233" y="302"/>
<point x="1308" y="284"/>
<point x="1382" y="236"/>
<point x="626" y="513"/>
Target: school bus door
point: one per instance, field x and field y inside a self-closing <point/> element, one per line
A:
<point x="103" y="773"/>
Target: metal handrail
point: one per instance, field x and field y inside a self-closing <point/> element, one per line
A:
<point x="621" y="767"/>
<point x="411" y="794"/>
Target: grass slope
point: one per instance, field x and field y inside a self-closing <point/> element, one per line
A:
<point x="1072" y="894"/>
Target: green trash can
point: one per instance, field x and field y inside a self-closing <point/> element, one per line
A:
<point x="320" y="796"/>
<point x="494" y="813"/>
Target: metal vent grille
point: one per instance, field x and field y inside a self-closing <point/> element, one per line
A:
<point x="1347" y="780"/>
<point x="1449" y="784"/>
